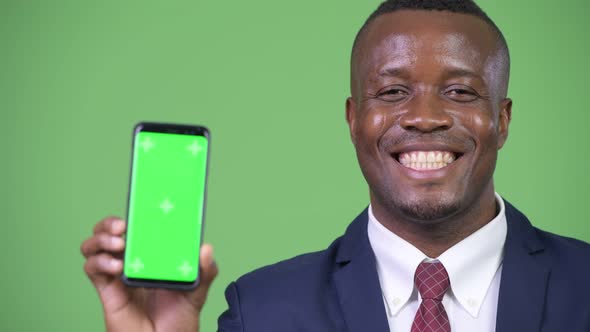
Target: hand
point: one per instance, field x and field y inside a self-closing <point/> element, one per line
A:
<point x="140" y="309"/>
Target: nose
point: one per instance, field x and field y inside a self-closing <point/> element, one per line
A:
<point x="426" y="114"/>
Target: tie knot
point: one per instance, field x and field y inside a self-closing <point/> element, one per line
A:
<point x="432" y="280"/>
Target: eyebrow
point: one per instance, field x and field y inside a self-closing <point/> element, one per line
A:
<point x="460" y="72"/>
<point x="453" y="72"/>
<point x="393" y="72"/>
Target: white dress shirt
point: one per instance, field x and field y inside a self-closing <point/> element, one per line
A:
<point x="474" y="266"/>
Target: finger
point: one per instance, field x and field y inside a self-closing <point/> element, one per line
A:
<point x="110" y="225"/>
<point x="102" y="265"/>
<point x="102" y="242"/>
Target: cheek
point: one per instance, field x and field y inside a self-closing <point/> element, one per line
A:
<point x="372" y="126"/>
<point x="484" y="130"/>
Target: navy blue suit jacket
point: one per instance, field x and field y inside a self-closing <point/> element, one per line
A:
<point x="545" y="286"/>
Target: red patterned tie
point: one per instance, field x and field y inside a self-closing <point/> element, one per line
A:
<point x="432" y="282"/>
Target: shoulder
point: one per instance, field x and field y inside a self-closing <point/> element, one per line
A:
<point x="291" y="274"/>
<point x="562" y="250"/>
<point x="308" y="271"/>
<point x="296" y="290"/>
<point x="567" y="276"/>
<point x="566" y="251"/>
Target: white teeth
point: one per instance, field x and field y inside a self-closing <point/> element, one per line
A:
<point x="448" y="157"/>
<point x="430" y="157"/>
<point x="421" y="157"/>
<point x="426" y="160"/>
<point x="439" y="157"/>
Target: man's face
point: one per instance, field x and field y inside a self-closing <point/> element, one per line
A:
<point x="428" y="112"/>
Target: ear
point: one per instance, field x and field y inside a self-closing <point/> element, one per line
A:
<point x="505" y="117"/>
<point x="351" y="118"/>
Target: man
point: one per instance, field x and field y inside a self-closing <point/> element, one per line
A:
<point x="437" y="249"/>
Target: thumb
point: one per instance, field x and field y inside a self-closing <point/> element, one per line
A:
<point x="208" y="266"/>
<point x="208" y="271"/>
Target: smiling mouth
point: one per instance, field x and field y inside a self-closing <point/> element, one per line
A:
<point x="426" y="160"/>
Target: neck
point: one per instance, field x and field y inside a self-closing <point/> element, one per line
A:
<point x="433" y="237"/>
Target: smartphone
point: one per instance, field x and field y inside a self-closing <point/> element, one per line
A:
<point x="166" y="205"/>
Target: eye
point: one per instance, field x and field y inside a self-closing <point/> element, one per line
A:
<point x="393" y="94"/>
<point x="461" y="94"/>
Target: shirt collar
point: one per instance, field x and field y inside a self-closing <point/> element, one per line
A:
<point x="471" y="263"/>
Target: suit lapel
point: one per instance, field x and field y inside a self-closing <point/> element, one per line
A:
<point x="525" y="275"/>
<point x="356" y="281"/>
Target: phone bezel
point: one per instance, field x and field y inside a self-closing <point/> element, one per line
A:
<point x="193" y="130"/>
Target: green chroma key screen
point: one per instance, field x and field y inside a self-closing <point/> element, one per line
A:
<point x="166" y="198"/>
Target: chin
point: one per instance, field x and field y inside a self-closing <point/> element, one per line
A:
<point x="426" y="208"/>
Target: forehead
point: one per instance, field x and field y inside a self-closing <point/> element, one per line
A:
<point x="440" y="39"/>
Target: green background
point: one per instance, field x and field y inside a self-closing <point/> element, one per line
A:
<point x="165" y="207"/>
<point x="269" y="78"/>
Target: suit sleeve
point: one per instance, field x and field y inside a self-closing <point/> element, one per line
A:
<point x="231" y="319"/>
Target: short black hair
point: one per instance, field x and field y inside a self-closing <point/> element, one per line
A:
<point x="468" y="7"/>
